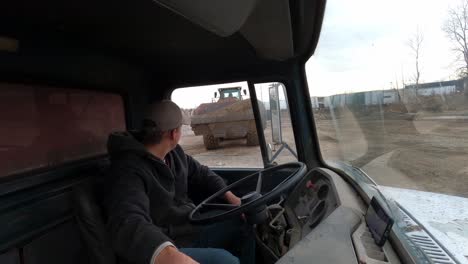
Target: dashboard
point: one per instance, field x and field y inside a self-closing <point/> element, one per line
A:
<point x="312" y="200"/>
<point x="317" y="223"/>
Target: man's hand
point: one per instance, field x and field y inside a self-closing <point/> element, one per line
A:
<point x="232" y="198"/>
<point x="171" y="255"/>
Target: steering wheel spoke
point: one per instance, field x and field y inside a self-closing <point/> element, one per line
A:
<point x="258" y="189"/>
<point x="218" y="206"/>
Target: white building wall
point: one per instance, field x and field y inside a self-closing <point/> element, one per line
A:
<point x="315" y="103"/>
<point x="390" y="97"/>
<point x="442" y="90"/>
<point x="373" y="97"/>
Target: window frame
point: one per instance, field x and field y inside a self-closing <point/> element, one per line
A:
<point x="262" y="140"/>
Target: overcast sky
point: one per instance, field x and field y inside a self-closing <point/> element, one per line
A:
<point x="363" y="46"/>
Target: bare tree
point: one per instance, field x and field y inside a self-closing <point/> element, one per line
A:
<point x="396" y="89"/>
<point x="456" y="29"/>
<point x="415" y="43"/>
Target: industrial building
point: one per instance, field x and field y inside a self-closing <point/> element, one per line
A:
<point x="385" y="97"/>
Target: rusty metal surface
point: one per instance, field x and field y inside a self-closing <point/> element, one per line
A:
<point x="225" y="130"/>
<point x="228" y="118"/>
<point x="224" y="111"/>
<point x="211" y="107"/>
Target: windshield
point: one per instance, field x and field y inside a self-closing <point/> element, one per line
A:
<point x="389" y="90"/>
<point x="230" y="93"/>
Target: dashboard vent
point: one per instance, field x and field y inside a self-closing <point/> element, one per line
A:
<point x="423" y="240"/>
<point x="431" y="249"/>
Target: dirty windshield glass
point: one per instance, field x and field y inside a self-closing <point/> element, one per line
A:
<point x="230" y="93"/>
<point x="222" y="131"/>
<point x="389" y="91"/>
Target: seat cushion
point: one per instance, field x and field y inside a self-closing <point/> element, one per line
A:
<point x="90" y="220"/>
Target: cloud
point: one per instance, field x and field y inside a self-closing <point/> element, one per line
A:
<point x="363" y="45"/>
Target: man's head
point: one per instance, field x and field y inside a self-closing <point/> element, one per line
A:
<point x="162" y="125"/>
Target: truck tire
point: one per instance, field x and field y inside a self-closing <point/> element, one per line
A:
<point x="252" y="138"/>
<point x="210" y="141"/>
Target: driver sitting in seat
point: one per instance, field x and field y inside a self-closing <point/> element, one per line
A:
<point x="147" y="202"/>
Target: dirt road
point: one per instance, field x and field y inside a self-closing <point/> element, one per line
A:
<point x="235" y="153"/>
<point x="417" y="152"/>
<point x="424" y="151"/>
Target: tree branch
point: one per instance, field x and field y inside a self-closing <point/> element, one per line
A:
<point x="456" y="27"/>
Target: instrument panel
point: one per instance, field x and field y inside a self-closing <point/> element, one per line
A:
<point x="323" y="211"/>
<point x="313" y="199"/>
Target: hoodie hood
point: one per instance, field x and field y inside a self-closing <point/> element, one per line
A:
<point x="125" y="142"/>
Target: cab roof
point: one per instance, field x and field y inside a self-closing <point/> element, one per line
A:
<point x="117" y="42"/>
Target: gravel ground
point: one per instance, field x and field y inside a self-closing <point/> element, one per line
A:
<point x="425" y="151"/>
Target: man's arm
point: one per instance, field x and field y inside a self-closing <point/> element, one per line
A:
<point x="172" y="255"/>
<point x="133" y="234"/>
<point x="201" y="175"/>
<point x="232" y="198"/>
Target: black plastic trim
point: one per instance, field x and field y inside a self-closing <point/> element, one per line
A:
<point x="33" y="178"/>
<point x="258" y="124"/>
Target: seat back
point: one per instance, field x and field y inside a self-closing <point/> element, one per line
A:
<point x="89" y="217"/>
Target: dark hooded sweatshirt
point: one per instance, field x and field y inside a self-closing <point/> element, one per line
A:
<point x="147" y="201"/>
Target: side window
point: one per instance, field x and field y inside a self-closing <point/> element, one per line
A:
<point x="222" y="130"/>
<point x="44" y="126"/>
<point x="276" y="120"/>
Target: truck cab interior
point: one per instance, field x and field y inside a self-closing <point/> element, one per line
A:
<point x="71" y="72"/>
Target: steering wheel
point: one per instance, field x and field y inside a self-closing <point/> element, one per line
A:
<point x="253" y="204"/>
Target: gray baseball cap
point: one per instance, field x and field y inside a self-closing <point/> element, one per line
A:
<point x="166" y="115"/>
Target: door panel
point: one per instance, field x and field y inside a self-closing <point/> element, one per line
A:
<point x="10" y="257"/>
<point x="59" y="245"/>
